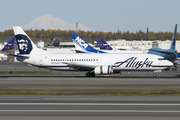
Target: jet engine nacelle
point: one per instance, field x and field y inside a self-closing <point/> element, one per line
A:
<point x="103" y="70"/>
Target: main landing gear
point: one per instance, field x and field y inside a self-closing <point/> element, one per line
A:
<point x="175" y="67"/>
<point x="90" y="74"/>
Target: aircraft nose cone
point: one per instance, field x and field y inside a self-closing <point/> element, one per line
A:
<point x="169" y="63"/>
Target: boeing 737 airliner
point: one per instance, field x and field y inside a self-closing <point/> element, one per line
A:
<point x="93" y="63"/>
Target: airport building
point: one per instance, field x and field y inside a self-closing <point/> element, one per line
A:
<point x="142" y="45"/>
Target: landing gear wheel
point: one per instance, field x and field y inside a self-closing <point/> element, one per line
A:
<point x="88" y="74"/>
<point x="174" y="69"/>
<point x="155" y="75"/>
<point x="92" y="74"/>
<point x="120" y="73"/>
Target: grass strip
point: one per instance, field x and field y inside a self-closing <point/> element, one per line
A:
<point x="103" y="93"/>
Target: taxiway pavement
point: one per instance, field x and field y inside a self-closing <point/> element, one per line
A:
<point x="79" y="107"/>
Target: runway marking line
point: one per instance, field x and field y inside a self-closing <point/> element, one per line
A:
<point x="109" y="111"/>
<point x="100" y="104"/>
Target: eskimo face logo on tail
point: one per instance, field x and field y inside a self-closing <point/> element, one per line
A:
<point x="81" y="42"/>
<point x="24" y="44"/>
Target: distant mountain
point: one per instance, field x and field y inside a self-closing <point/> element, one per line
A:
<point x="48" y="21"/>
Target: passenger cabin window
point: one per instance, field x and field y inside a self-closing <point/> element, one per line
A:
<point x="85" y="59"/>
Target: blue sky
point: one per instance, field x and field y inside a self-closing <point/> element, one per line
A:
<point x="107" y="15"/>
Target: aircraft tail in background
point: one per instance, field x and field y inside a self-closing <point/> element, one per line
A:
<point x="83" y="46"/>
<point x="105" y="44"/>
<point x="173" y="42"/>
<point x="10" y="44"/>
<point x="98" y="42"/>
<point x="169" y="54"/>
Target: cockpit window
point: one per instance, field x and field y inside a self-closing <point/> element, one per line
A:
<point x="161" y="58"/>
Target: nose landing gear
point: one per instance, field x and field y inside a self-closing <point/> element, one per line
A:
<point x="155" y="75"/>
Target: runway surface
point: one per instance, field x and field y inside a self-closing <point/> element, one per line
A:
<point x="87" y="107"/>
<point x="84" y="84"/>
<point x="97" y="107"/>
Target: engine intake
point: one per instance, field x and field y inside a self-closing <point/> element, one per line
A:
<point x="103" y="70"/>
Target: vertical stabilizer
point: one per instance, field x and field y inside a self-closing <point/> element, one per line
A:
<point x="24" y="43"/>
<point x="9" y="45"/>
<point x="82" y="45"/>
<point x="173" y="42"/>
<point x="105" y="44"/>
<point x="98" y="42"/>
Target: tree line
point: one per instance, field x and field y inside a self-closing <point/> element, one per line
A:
<point x="91" y="35"/>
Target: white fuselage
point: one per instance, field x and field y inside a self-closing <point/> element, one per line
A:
<point x="119" y="62"/>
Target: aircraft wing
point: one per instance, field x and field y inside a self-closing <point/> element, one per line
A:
<point x="80" y="66"/>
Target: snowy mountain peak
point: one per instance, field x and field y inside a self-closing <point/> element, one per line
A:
<point x="48" y="21"/>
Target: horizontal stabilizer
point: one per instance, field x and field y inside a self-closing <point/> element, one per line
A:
<point x="79" y="51"/>
<point x="22" y="56"/>
<point x="161" y="51"/>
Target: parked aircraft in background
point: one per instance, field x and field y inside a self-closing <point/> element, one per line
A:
<point x="8" y="46"/>
<point x="3" y="57"/>
<point x="93" y="63"/>
<point x="102" y="44"/>
<point x="169" y="54"/>
<point x="82" y="46"/>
